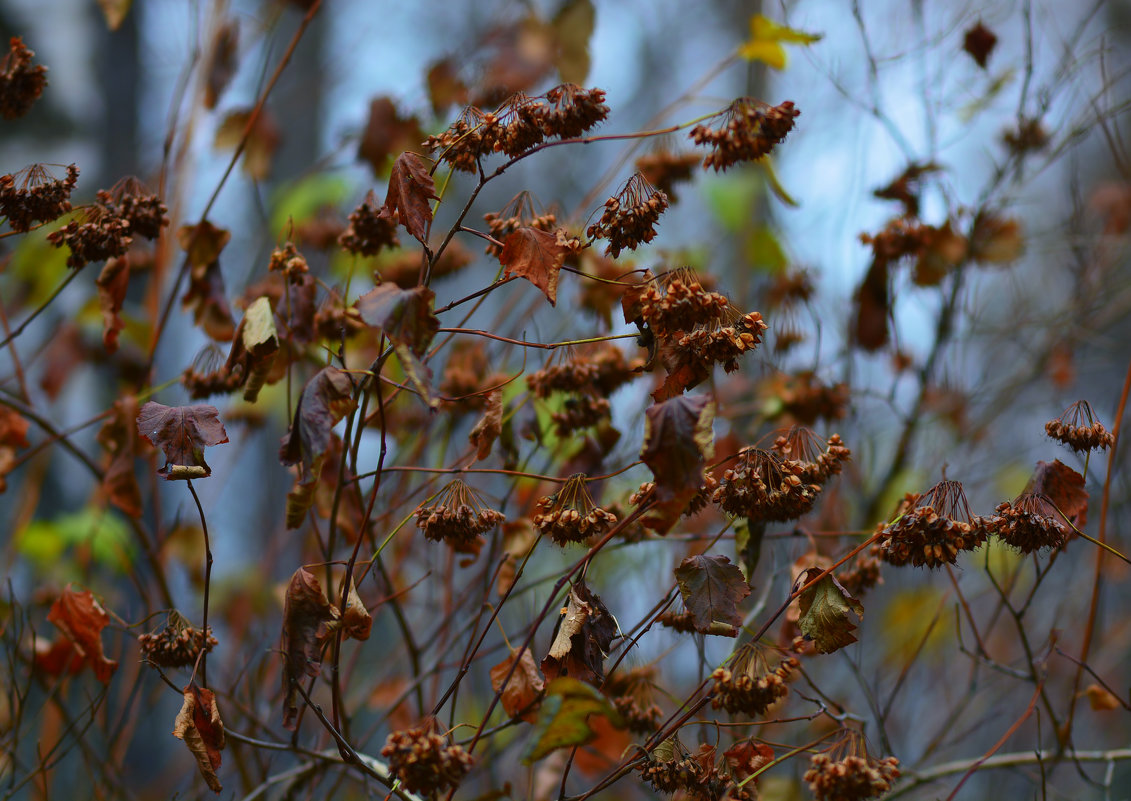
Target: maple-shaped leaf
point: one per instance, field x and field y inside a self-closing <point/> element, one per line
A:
<point x="112" y="284"/>
<point x="521" y="693"/>
<point x="711" y="588"/>
<point x="118" y="436"/>
<point x="489" y="426"/>
<point x="1064" y="487"/>
<point x="677" y="442"/>
<point x="824" y="611"/>
<point x="584" y="635"/>
<point x="325" y="400"/>
<point x="386" y="133"/>
<point x="205" y="296"/>
<point x="405" y="315"/>
<point x="536" y="256"/>
<point x="198" y="724"/>
<point x="182" y="432"/>
<point x="410" y="189"/>
<point x="254" y="347"/>
<point x="563" y="719"/>
<point x="260" y="145"/>
<point x="356" y="620"/>
<point x="766" y="40"/>
<point x="307" y="616"/>
<point x="81" y="619"/>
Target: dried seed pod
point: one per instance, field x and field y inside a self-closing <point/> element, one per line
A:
<point x="748" y="686"/>
<point x="630" y="217"/>
<point x="819" y="460"/>
<point x="570" y="515"/>
<point x="21" y="84"/>
<point x="34" y="195"/>
<point x="848" y="773"/>
<point x="1079" y="429"/>
<point x="423" y="761"/>
<point x="130" y="200"/>
<point x="933" y="528"/>
<point x="664" y="170"/>
<point x="178" y="644"/>
<point x="371" y="228"/>
<point x="632" y="694"/>
<point x="748" y="130"/>
<point x="99" y="236"/>
<point x="1031" y="522"/>
<point x="458" y="517"/>
<point x="765" y="487"/>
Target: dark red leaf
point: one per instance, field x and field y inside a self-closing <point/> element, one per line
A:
<point x="386" y="133"/>
<point x="13" y="429"/>
<point x="536" y="256"/>
<point x="182" y="432"/>
<point x="405" y="315"/>
<point x="118" y="436"/>
<point x="979" y="42"/>
<point x="112" y="283"/>
<point x="747" y="757"/>
<point x="677" y="442"/>
<point x="1064" y="487"/>
<point x="205" y="296"/>
<point x="584" y="635"/>
<point x="307" y="616"/>
<point x="873" y="308"/>
<point x="81" y="619"/>
<point x="198" y="724"/>
<point x="410" y="189"/>
<point x="445" y="87"/>
<point x="711" y="588"/>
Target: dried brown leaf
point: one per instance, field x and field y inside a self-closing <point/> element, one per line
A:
<point x="489" y="426"/>
<point x="112" y="283"/>
<point x="525" y="687"/>
<point x="182" y="432"/>
<point x="677" y="442"/>
<point x="824" y="611"/>
<point x="356" y="620"/>
<point x="584" y="635"/>
<point x="198" y="724"/>
<point x="306" y="623"/>
<point x="386" y="133"/>
<point x="410" y="189"/>
<point x="118" y="436"/>
<point x="81" y="619"/>
<point x="711" y="588"/>
<point x="1064" y="487"/>
<point x="536" y="256"/>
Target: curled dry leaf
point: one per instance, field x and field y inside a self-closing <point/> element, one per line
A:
<point x="205" y="296"/>
<point x="307" y="616"/>
<point x="81" y="619"/>
<point x="1102" y="700"/>
<point x="254" y="347"/>
<point x="405" y="315"/>
<point x="489" y="426"/>
<point x="536" y="256"/>
<point x="410" y="189"/>
<point x="584" y="635"/>
<point x="386" y="133"/>
<point x="325" y="400"/>
<point x="356" y="620"/>
<point x="262" y="140"/>
<point x="520" y="695"/>
<point x="747" y="757"/>
<point x="712" y="588"/>
<point x="112" y="283"/>
<point x="824" y="612"/>
<point x="678" y="440"/>
<point x="182" y="432"/>
<point x="198" y="724"/>
<point x="222" y="64"/>
<point x="118" y="436"/>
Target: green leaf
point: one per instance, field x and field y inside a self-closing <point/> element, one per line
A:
<point x="764" y="252"/>
<point x="303" y="199"/>
<point x="100" y="530"/>
<point x="733" y="198"/>
<point x="824" y="613"/>
<point x="563" y="718"/>
<point x="772" y="181"/>
<point x="766" y="40"/>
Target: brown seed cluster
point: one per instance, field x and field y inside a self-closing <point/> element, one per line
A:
<point x="630" y="217"/>
<point x="632" y="695"/>
<point x="723" y="344"/>
<point x="749" y="687"/>
<point x="1030" y="523"/>
<point x="99" y="236"/>
<point x="665" y="169"/>
<point x="1079" y="429"/>
<point x="864" y="573"/>
<point x="580" y="413"/>
<point x="765" y="487"/>
<point x="933" y="528"/>
<point x="1028" y="136"/>
<point x="853" y="778"/>
<point x="698" y="502"/>
<point x="371" y="228"/>
<point x="21" y="84"/>
<point x="600" y="369"/>
<point x="519" y="213"/>
<point x="457" y="517"/>
<point x="749" y="129"/>
<point x="423" y="761"/>
<point x="34" y="195"/>
<point x="672" y="769"/>
<point x="677" y="303"/>
<point x="519" y="124"/>
<point x="288" y="261"/>
<point x="820" y="459"/>
<point x="570" y="515"/>
<point x="805" y="399"/>
<point x="176" y="645"/>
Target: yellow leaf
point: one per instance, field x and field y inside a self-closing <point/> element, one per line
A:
<point x="115" y="12"/>
<point x="766" y="39"/>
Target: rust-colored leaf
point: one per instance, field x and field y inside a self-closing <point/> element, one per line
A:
<point x="711" y="588"/>
<point x="489" y="426"/>
<point x="118" y="436"/>
<point x="824" y="611"/>
<point x="1100" y="699"/>
<point x="306" y="623"/>
<point x="405" y="315"/>
<point x="81" y="619"/>
<point x="873" y="310"/>
<point x="747" y="757"/>
<point x="584" y="635"/>
<point x="386" y="133"/>
<point x="996" y="240"/>
<point x="205" y="296"/>
<point x="198" y="724"/>
<point x="13" y="429"/>
<point x="1064" y="487"/>
<point x="182" y="432"/>
<point x="536" y="256"/>
<point x="445" y="88"/>
<point x="677" y="442"/>
<point x="222" y="62"/>
<point x="262" y="140"/>
<point x="522" y="692"/>
<point x="112" y="283"/>
<point x="356" y="620"/>
<point x="254" y="347"/>
<point x="325" y="400"/>
<point x="410" y="189"/>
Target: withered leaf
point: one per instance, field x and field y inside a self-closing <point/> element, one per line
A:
<point x="260" y="145"/>
<point x="81" y="619"/>
<point x="356" y="620"/>
<point x="573" y="26"/>
<point x="747" y="757"/>
<point x="410" y="189"/>
<point x="386" y="133"/>
<point x="524" y="688"/>
<point x="824" y="611"/>
<point x="563" y="718"/>
<point x="306" y="623"/>
<point x="112" y="283"/>
<point x="1100" y="699"/>
<point x="996" y="240"/>
<point x="445" y="87"/>
<point x="405" y="315"/>
<point x="57" y="658"/>
<point x="182" y="432"/>
<point x="198" y="724"/>
<point x="13" y="428"/>
<point x="711" y="588"/>
<point x="489" y="426"/>
<point x="325" y="400"/>
<point x="873" y="308"/>
<point x="222" y="62"/>
<point x="254" y="347"/>
<point x="205" y="296"/>
<point x="584" y="635"/>
<point x="536" y="256"/>
<point x="979" y="42"/>
<point x="118" y="436"/>
<point x="115" y="12"/>
<point x="1064" y="487"/>
<point x="677" y="442"/>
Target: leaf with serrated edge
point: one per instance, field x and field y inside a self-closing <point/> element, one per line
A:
<point x="711" y="588"/>
<point x="824" y="612"/>
<point x="536" y="256"/>
<point x="182" y="432"/>
<point x="521" y="693"/>
<point x="410" y="189"/>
